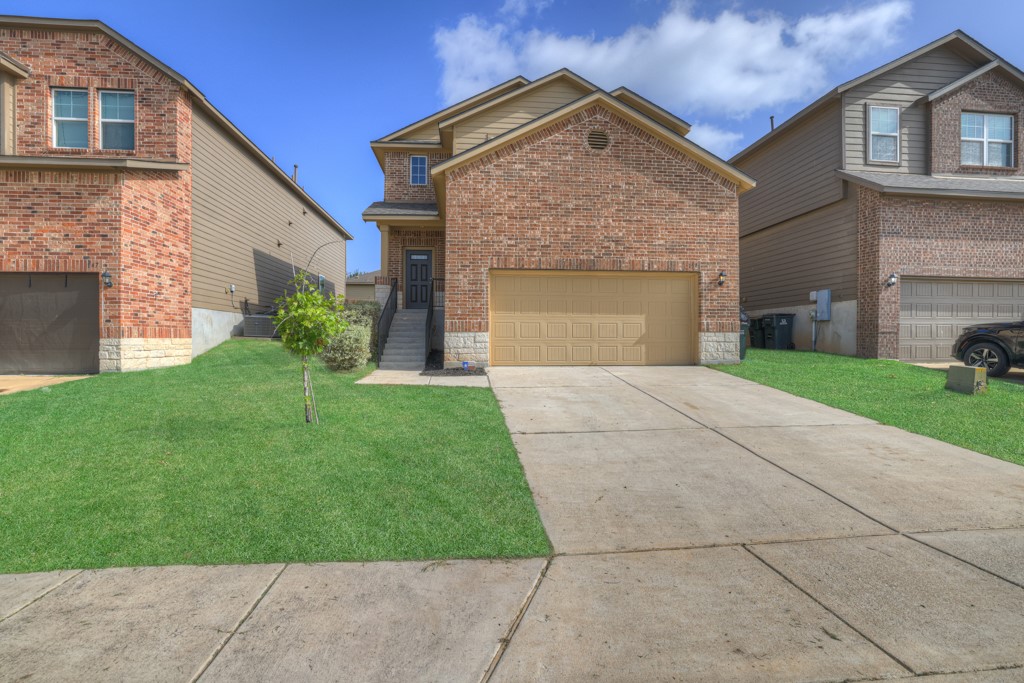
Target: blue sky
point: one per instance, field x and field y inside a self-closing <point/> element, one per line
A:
<point x="313" y="82"/>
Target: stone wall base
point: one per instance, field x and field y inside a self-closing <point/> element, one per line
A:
<point x="125" y="355"/>
<point x="719" y="348"/>
<point x="460" y="346"/>
<point x="381" y="293"/>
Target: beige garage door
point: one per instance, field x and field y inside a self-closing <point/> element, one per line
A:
<point x="587" y="318"/>
<point x="933" y="312"/>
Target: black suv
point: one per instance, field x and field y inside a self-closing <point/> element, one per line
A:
<point x="994" y="346"/>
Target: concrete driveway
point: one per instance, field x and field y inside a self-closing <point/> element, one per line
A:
<point x="705" y="528"/>
<point x="709" y="528"/>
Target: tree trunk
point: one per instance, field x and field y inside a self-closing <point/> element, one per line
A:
<point x="307" y="389"/>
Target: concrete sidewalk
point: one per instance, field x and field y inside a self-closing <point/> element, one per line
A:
<point x="704" y="527"/>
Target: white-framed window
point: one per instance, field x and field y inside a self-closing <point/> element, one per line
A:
<point x="70" y="118"/>
<point x="884" y="143"/>
<point x="417" y="170"/>
<point x="117" y="119"/>
<point x="986" y="140"/>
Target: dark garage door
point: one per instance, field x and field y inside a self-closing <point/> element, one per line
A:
<point x="49" y="323"/>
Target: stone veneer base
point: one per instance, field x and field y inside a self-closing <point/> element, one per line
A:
<point x="718" y="348"/>
<point x="125" y="355"/>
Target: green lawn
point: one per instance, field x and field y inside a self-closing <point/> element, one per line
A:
<point x="898" y="394"/>
<point x="212" y="463"/>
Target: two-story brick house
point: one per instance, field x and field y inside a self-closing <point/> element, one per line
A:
<point x="135" y="219"/>
<point x="566" y="225"/>
<point x="902" y="192"/>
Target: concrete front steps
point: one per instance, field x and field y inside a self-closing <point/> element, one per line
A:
<point x="405" y="348"/>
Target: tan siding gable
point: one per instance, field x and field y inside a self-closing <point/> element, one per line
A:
<point x="780" y="266"/>
<point x="423" y="133"/>
<point x="794" y="172"/>
<point x="515" y="112"/>
<point x="907" y="86"/>
<point x="239" y="213"/>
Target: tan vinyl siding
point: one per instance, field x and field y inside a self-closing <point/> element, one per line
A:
<point x="780" y="266"/>
<point x="514" y="113"/>
<point x="239" y="214"/>
<point x="794" y="172"/>
<point x="423" y="133"/>
<point x="906" y="86"/>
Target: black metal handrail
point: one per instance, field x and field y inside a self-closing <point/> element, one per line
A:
<point x="387" y="314"/>
<point x="430" y="320"/>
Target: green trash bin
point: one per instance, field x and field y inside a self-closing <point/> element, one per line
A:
<point x="744" y="329"/>
<point x="757" y="333"/>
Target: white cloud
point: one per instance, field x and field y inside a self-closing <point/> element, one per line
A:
<point x="727" y="65"/>
<point x="719" y="141"/>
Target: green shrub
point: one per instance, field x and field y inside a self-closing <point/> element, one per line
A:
<point x="367" y="314"/>
<point x="349" y="350"/>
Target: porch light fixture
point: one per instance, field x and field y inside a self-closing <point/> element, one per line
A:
<point x="108" y="280"/>
<point x="721" y="278"/>
<point x="892" y="280"/>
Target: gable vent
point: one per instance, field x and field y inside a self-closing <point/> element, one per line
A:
<point x="597" y="139"/>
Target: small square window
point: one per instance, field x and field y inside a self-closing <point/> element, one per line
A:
<point x="71" y="119"/>
<point x="417" y="170"/>
<point x="117" y="120"/>
<point x="986" y="140"/>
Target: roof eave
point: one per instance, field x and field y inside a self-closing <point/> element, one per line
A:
<point x="929" y="192"/>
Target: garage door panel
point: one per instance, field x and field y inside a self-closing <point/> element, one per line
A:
<point x="49" y="323"/>
<point x="593" y="318"/>
<point x="934" y="312"/>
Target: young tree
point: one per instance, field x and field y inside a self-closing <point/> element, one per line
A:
<point x="307" y="320"/>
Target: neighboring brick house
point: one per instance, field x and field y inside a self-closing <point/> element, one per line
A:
<point x="135" y="220"/>
<point x="561" y="224"/>
<point x="902" y="192"/>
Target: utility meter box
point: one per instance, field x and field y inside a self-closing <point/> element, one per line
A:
<point x="823" y="299"/>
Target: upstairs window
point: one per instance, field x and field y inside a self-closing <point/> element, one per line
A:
<point x="71" y="119"/>
<point x="117" y="120"/>
<point x="885" y="134"/>
<point x="417" y="170"/>
<point x="986" y="140"/>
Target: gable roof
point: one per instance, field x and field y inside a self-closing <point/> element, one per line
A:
<point x="642" y="104"/>
<point x="10" y="65"/>
<point x="198" y="98"/>
<point x="1003" y="66"/>
<point x="957" y="38"/>
<point x="496" y="91"/>
<point x="615" y="105"/>
<point x="364" y="278"/>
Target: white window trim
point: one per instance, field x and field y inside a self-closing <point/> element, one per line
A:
<point x="426" y="170"/>
<point x="54" y="118"/>
<point x="984" y="140"/>
<point x="871" y="134"/>
<point x="135" y="132"/>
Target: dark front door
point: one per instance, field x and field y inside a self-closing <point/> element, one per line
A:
<point x="49" y="323"/>
<point x="419" y="268"/>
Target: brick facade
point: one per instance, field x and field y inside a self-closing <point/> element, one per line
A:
<point x="919" y="237"/>
<point x="134" y="224"/>
<point x="397" y="187"/>
<point x="549" y="201"/>
<point x="990" y="93"/>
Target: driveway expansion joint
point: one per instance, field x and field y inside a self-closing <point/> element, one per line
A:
<point x="42" y="595"/>
<point x="830" y="611"/>
<point x="231" y="634"/>
<point x="514" y="625"/>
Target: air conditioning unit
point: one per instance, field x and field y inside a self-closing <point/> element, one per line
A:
<point x="257" y="325"/>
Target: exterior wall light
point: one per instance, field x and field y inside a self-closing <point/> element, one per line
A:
<point x="108" y="280"/>
<point x="721" y="278"/>
<point x="892" y="280"/>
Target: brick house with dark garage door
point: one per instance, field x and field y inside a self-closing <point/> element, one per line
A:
<point x="135" y="219"/>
